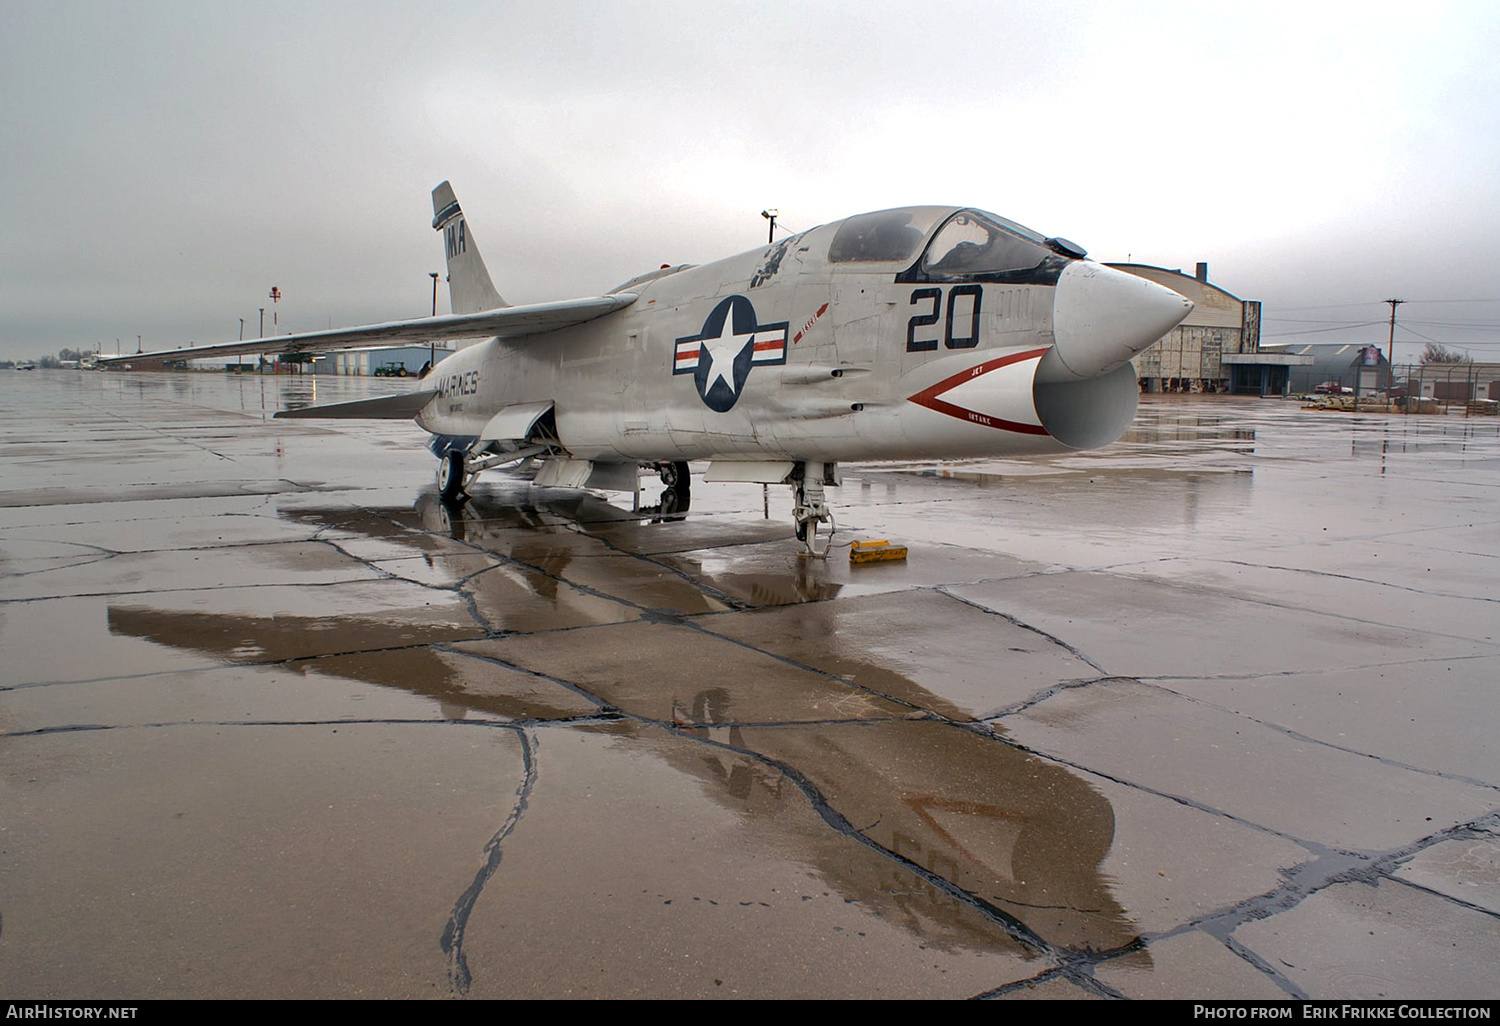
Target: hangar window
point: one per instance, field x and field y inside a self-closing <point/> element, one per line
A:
<point x="887" y="235"/>
<point x="974" y="243"/>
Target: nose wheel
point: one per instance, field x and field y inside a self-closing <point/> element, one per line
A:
<point x="450" y="476"/>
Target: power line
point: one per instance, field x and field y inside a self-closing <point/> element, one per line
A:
<point x="1470" y="325"/>
<point x="1307" y="320"/>
<point x="1372" y="302"/>
<point x="1314" y="331"/>
<point x="1326" y="306"/>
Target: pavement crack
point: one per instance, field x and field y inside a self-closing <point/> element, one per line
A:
<point x="702" y="586"/>
<point x="66" y="728"/>
<point x="1080" y="976"/>
<point x="452" y="940"/>
<point x="1018" y="622"/>
<point x="579" y="690"/>
<point x="1158" y="793"/>
<point x="1308" y="571"/>
<point x="61" y="566"/>
<point x="1270" y="674"/>
<point x="1328" y="868"/>
<point x="694" y="624"/>
<point x="1014" y="927"/>
<point x="1297" y="735"/>
<point x="1044" y="694"/>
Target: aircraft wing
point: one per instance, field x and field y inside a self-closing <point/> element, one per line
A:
<point x="404" y="406"/>
<point x="507" y="322"/>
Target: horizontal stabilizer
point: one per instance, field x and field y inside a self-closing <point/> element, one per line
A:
<point x="385" y="407"/>
<point x="509" y="322"/>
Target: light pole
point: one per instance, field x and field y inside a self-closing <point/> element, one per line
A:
<point x="432" y="343"/>
<point x="770" y="214"/>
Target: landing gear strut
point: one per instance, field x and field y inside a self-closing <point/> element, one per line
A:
<point x="808" y="507"/>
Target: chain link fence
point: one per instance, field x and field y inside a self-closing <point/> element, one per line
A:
<point x="1465" y="389"/>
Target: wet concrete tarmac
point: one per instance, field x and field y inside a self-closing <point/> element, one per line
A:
<point x="1209" y="713"/>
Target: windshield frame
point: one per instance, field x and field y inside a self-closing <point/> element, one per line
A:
<point x="1045" y="271"/>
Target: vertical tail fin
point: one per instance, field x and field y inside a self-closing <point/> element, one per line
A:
<point x="469" y="287"/>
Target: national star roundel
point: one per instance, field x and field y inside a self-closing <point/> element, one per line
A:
<point x="720" y="356"/>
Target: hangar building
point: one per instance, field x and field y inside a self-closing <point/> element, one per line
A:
<point x="1217" y="349"/>
<point x="1356" y="366"/>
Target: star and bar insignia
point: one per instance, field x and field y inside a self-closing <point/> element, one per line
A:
<point x="721" y="355"/>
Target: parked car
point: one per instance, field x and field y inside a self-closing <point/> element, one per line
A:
<point x="1333" y="388"/>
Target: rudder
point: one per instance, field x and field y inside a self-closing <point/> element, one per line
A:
<point x="469" y="287"/>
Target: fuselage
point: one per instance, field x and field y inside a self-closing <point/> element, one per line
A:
<point x="921" y="332"/>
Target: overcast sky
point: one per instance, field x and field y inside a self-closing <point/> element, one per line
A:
<point x="162" y="165"/>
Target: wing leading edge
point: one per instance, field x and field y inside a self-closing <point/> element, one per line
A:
<point x="384" y="407"/>
<point x="509" y="322"/>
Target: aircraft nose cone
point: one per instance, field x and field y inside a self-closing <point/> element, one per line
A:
<point x="1102" y="317"/>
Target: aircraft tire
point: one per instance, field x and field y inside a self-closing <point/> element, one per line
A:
<point x="450" y="476"/>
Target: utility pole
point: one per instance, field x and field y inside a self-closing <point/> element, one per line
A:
<point x="1391" y="354"/>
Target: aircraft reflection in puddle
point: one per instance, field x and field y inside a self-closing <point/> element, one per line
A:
<point x="1023" y="836"/>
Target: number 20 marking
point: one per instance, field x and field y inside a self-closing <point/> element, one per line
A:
<point x="922" y="320"/>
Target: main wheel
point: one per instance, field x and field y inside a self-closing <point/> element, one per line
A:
<point x="450" y="475"/>
<point x="677" y="478"/>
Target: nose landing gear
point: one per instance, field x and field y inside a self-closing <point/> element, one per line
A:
<point x="451" y="481"/>
<point x="808" y="506"/>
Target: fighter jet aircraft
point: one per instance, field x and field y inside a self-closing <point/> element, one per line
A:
<point x="913" y="333"/>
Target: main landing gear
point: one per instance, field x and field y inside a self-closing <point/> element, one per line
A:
<point x="677" y="494"/>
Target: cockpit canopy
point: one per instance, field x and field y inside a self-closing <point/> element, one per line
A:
<point x="972" y="242"/>
<point x="885" y="236"/>
<point x="962" y="245"/>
